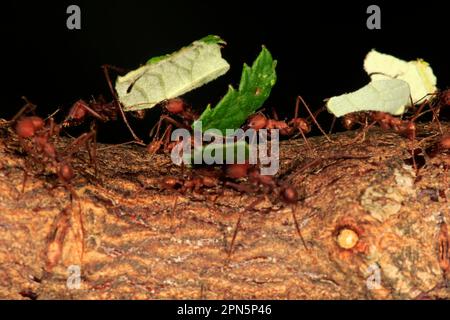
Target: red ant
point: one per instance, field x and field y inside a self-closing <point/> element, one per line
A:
<point x="100" y="110"/>
<point x="172" y="108"/>
<point x="260" y="183"/>
<point x="175" y="107"/>
<point x="37" y="137"/>
<point x="296" y="124"/>
<point x="385" y="120"/>
<point x="191" y="184"/>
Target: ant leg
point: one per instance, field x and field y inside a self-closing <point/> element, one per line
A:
<point x="238" y="224"/>
<point x="363" y="132"/>
<point x="28" y="107"/>
<point x="299" y="98"/>
<point x="174" y="205"/>
<point x="275" y="114"/>
<point x="90" y="110"/>
<point x="413" y="151"/>
<point x="236" y="228"/>
<point x="436" y="117"/>
<point x="25" y="178"/>
<point x="157" y="126"/>
<point x="91" y="146"/>
<point x="332" y="125"/>
<point x="119" y="70"/>
<point x="167" y="136"/>
<point x="155" y="145"/>
<point x="118" y="104"/>
<point x="297" y="227"/>
<point x="79" y="233"/>
<point x="174" y="122"/>
<point x="75" y="145"/>
<point x="308" y="145"/>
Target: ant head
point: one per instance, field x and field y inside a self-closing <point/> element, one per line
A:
<point x="175" y="106"/>
<point x="289" y="194"/>
<point x="76" y="114"/>
<point x="154" y="146"/>
<point x="171" y="182"/>
<point x="301" y="124"/>
<point x="349" y="121"/>
<point x="65" y="172"/>
<point x="78" y="110"/>
<point x="257" y="122"/>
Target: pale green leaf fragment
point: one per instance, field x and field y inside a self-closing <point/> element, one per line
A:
<point x="173" y="75"/>
<point x="391" y="96"/>
<point x="417" y="73"/>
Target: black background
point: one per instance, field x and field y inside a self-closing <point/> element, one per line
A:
<point x="320" y="46"/>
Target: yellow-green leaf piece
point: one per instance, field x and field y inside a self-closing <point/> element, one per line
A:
<point x="391" y="96"/>
<point x="173" y="75"/>
<point x="417" y="73"/>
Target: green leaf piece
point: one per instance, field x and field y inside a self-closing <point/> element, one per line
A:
<point x="237" y="105"/>
<point x="170" y="76"/>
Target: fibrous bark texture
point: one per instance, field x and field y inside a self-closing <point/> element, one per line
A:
<point x="131" y="238"/>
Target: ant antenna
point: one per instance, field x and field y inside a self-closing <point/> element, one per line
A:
<point x="299" y="98"/>
<point x="118" y="104"/>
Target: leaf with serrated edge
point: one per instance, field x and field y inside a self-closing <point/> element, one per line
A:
<point x="391" y="96"/>
<point x="237" y="105"/>
<point x="170" y="76"/>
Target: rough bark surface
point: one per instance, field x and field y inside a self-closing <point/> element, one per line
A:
<point x="122" y="232"/>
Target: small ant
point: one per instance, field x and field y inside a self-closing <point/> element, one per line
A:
<point x="260" y="183"/>
<point x="172" y="108"/>
<point x="192" y="184"/>
<point x="296" y="124"/>
<point x="100" y="110"/>
<point x="37" y="137"/>
<point x="385" y="120"/>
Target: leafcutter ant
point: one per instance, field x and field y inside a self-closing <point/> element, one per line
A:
<point x="257" y="184"/>
<point x="289" y="128"/>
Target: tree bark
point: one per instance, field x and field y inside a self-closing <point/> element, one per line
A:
<point x="122" y="232"/>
